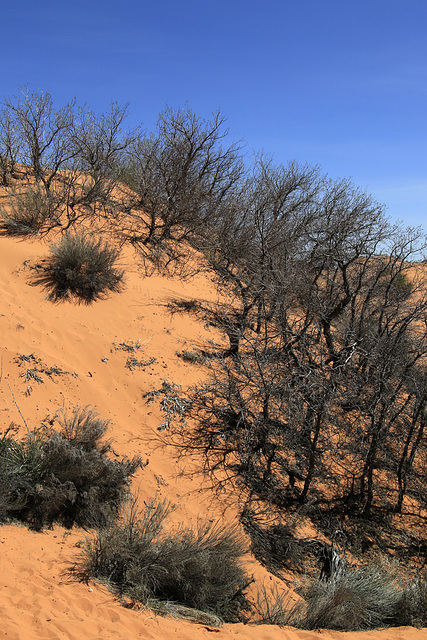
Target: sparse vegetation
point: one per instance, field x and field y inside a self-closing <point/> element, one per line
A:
<point x="133" y="363"/>
<point x="315" y="402"/>
<point x="81" y="268"/>
<point x="273" y="606"/>
<point x="131" y="347"/>
<point x="34" y="369"/>
<point x="172" y="403"/>
<point x="30" y="212"/>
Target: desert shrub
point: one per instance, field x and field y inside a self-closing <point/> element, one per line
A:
<point x="193" y="357"/>
<point x="199" y="568"/>
<point x="412" y="609"/>
<point x="64" y="476"/>
<point x="273" y="606"/>
<point x="11" y="482"/>
<point x="364" y="598"/>
<point x="82" y="268"/>
<point x="355" y="599"/>
<point x="30" y="213"/>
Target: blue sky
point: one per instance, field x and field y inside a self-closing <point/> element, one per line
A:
<point x="338" y="83"/>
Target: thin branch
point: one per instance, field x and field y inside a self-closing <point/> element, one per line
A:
<point x="17" y="406"/>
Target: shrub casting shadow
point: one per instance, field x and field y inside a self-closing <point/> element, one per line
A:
<point x="82" y="269"/>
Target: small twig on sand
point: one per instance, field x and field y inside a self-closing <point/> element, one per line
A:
<point x="17" y="406"/>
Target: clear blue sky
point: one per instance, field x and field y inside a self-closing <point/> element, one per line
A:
<point x="339" y="83"/>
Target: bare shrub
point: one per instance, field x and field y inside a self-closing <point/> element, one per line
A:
<point x="81" y="268"/>
<point x="98" y="142"/>
<point x="42" y="133"/>
<point x="181" y="177"/>
<point x="9" y="147"/>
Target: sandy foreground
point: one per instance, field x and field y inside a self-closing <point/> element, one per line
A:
<point x="38" y="600"/>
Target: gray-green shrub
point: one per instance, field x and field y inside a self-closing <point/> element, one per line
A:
<point x="82" y="268"/>
<point x="30" y="213"/>
<point x="63" y="476"/>
<point x="366" y="597"/>
<point x="200" y="568"/>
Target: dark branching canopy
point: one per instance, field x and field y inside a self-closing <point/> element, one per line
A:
<point x="318" y="395"/>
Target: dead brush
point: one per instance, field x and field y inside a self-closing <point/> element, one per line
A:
<point x="172" y="403"/>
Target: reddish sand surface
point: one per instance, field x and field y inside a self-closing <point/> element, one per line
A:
<point x="38" y="599"/>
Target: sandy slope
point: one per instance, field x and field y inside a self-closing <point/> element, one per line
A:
<point x="37" y="600"/>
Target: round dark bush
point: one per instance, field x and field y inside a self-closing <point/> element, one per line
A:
<point x="81" y="268"/>
<point x="63" y="476"/>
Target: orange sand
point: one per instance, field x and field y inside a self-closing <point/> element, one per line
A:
<point x="37" y="599"/>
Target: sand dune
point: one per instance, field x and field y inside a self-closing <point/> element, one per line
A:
<point x="82" y="343"/>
